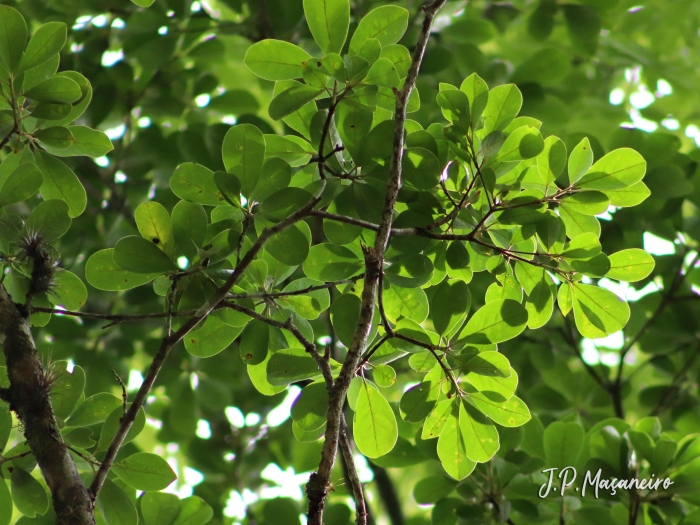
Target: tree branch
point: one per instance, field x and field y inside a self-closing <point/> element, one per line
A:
<point x="318" y="486"/>
<point x="15" y="129"/>
<point x="29" y="396"/>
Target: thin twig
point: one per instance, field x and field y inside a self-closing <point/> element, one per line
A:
<point x="125" y="398"/>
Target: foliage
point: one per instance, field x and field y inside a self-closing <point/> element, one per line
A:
<point x="236" y="207"/>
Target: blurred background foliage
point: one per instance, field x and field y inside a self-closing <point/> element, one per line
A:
<point x="170" y="80"/>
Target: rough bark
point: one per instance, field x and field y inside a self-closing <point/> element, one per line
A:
<point x="28" y="396"/>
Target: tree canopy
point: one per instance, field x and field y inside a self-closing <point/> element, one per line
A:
<point x="330" y="261"/>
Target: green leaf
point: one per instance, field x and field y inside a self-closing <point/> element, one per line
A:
<point x="28" y="495"/>
<point x="111" y="425"/>
<point x="68" y="291"/>
<point x="136" y="254"/>
<point x="5" y="425"/>
<point x="104" y="274"/>
<point x="345" y="312"/>
<point x="520" y="212"/>
<point x="577" y="223"/>
<point x="50" y="219"/>
<point x="495" y="322"/>
<point x="310" y="408"/>
<point x="49" y="111"/>
<point x="22" y="183"/>
<point x="13" y="37"/>
<point x="620" y="168"/>
<point x="310" y="304"/>
<point x="386" y="23"/>
<point x="503" y="387"/>
<point x="278" y="175"/>
<point x="284" y="202"/>
<point x="630" y="196"/>
<point x="383" y="73"/>
<point x="115" y="505"/>
<point x="411" y="303"/>
<point x="159" y="508"/>
<point x="503" y="105"/>
<point x="419" y="400"/>
<point x="399" y="56"/>
<point x="552" y="160"/>
<point x="195" y="511"/>
<point x="153" y="223"/>
<point x="452" y="445"/>
<point x="189" y="225"/>
<point x="479" y="434"/>
<point x="328" y="22"/>
<point x="56" y="137"/>
<point x="587" y="202"/>
<point x="258" y="377"/>
<point x="292" y="99"/>
<point x="195" y="183"/>
<point x="243" y="151"/>
<point x="86" y="141"/>
<point x="457" y="262"/>
<point x="478" y="92"/>
<point x="144" y="471"/>
<point x="450" y="304"/>
<point x="562" y="444"/>
<point x="354" y="123"/>
<point x="5" y="500"/>
<point x="435" y="422"/>
<point x="374" y="425"/>
<point x="580" y="160"/>
<point x="507" y="287"/>
<point x="490" y="364"/>
<point x="143" y="3"/>
<point x="254" y="342"/>
<point x="455" y="105"/>
<point x="630" y="265"/>
<point x="291" y="365"/>
<point x="539" y="304"/>
<point x="57" y="89"/>
<point x="61" y="183"/>
<point x="510" y="413"/>
<point x="384" y="375"/>
<point x="46" y="42"/>
<point x="291" y="149"/>
<point x="411" y="271"/>
<point x="78" y="108"/>
<point x="598" y="312"/>
<point x="291" y="245"/>
<point x="275" y="60"/>
<point x="94" y="409"/>
<point x="329" y="262"/>
<point x="523" y="143"/>
<point x="565" y="298"/>
<point x="213" y="337"/>
<point x="429" y="490"/>
<point x="421" y="168"/>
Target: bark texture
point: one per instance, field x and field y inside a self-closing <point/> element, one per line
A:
<point x="28" y="396"/>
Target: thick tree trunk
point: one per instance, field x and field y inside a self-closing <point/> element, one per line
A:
<point x="28" y="396"/>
